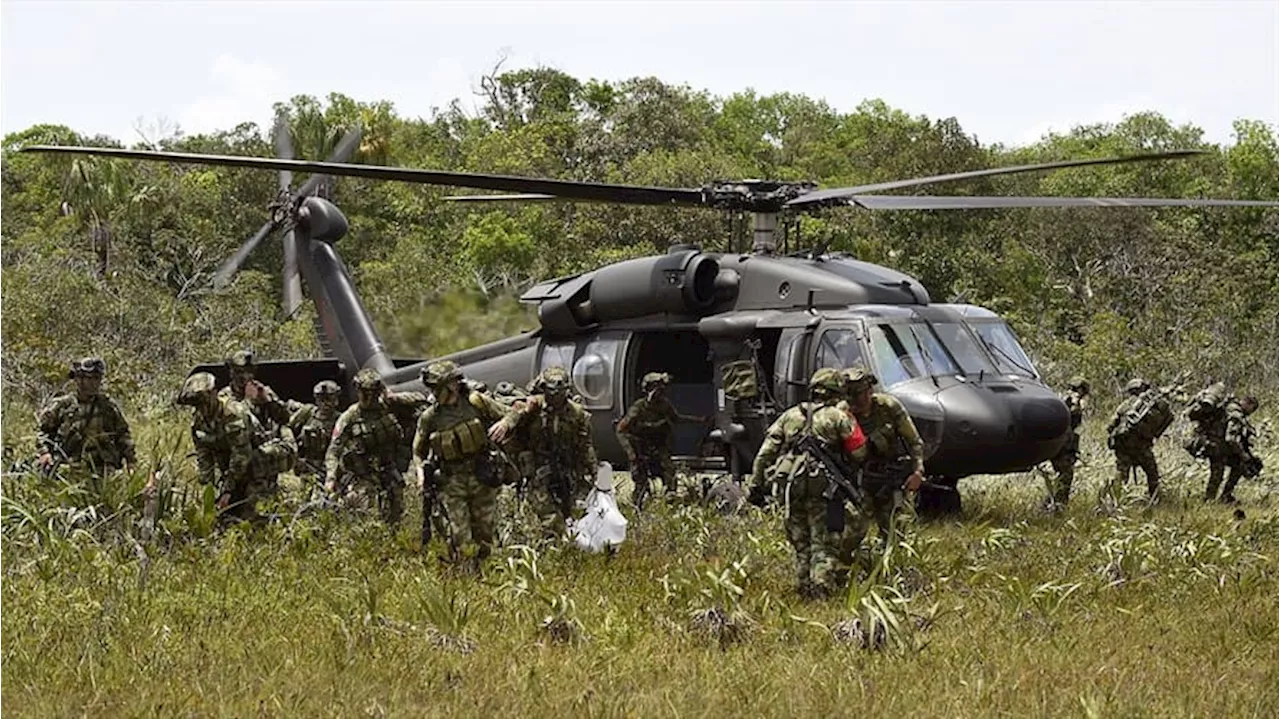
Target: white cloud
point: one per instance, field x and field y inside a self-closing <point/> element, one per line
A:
<point x="1111" y="113"/>
<point x="241" y="90"/>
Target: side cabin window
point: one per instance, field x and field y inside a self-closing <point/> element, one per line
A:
<point x="592" y="373"/>
<point x="840" y="348"/>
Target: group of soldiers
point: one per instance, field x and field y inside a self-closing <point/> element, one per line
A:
<point x="1220" y="432"/>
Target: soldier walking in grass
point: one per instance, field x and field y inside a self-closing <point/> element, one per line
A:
<point x="223" y="433"/>
<point x="1134" y="427"/>
<point x="1064" y="463"/>
<point x="645" y="434"/>
<point x="312" y="426"/>
<point x="367" y="450"/>
<point x="85" y="429"/>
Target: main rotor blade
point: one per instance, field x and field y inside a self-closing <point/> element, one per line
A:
<point x="568" y="189"/>
<point x="839" y="195"/>
<point x="284" y="149"/>
<point x="228" y="268"/>
<point x="499" y="198"/>
<point x="292" y="281"/>
<point x="929" y="202"/>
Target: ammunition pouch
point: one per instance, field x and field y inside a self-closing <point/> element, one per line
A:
<point x="459" y="441"/>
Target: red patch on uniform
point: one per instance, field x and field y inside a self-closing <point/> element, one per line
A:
<point x="335" y="432"/>
<point x="856" y="439"/>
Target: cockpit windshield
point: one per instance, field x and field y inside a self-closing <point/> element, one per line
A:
<point x="1003" y="346"/>
<point x="907" y="351"/>
<point x="964" y="348"/>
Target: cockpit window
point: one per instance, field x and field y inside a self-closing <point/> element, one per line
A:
<point x="907" y="351"/>
<point x="839" y="348"/>
<point x="1003" y="346"/>
<point x="964" y="348"/>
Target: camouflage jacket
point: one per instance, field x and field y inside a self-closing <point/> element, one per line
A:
<point x="313" y="430"/>
<point x="365" y="443"/>
<point x="649" y="422"/>
<point x="270" y="411"/>
<point x="560" y="441"/>
<point x="1239" y="432"/>
<point x="890" y="431"/>
<point x="224" y="443"/>
<point x="1075" y="405"/>
<point x="458" y="431"/>
<point x="778" y="459"/>
<point x="94" y="429"/>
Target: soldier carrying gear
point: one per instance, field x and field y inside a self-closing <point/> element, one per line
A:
<point x="1064" y="463"/>
<point x="558" y="432"/>
<point x="223" y="432"/>
<point x="645" y="434"/>
<point x="458" y="461"/>
<point x="85" y="428"/>
<point x="1237" y="451"/>
<point x="894" y="449"/>
<point x="1136" y="424"/>
<point x="312" y="425"/>
<point x="367" y="450"/>
<point x="809" y="448"/>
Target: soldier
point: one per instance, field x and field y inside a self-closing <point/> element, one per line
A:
<point x="1064" y="463"/>
<point x="87" y="428"/>
<point x="1129" y="440"/>
<point x="313" y="425"/>
<point x="271" y="411"/>
<point x="787" y="459"/>
<point x="558" y="432"/>
<point x="645" y="435"/>
<point x="365" y="454"/>
<point x="1239" y="455"/>
<point x="894" y="448"/>
<point x="223" y="433"/>
<point x="451" y="443"/>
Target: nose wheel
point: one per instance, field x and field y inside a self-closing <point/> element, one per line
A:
<point x="939" y="499"/>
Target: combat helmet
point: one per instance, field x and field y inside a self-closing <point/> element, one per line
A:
<point x="87" y="366"/>
<point x="368" y="380"/>
<point x="437" y="373"/>
<point x="1079" y="383"/>
<point x="858" y="377"/>
<point x="1136" y="386"/>
<point x="826" y="382"/>
<point x="652" y="379"/>
<point x="197" y="385"/>
<point x="326" y="388"/>
<point x="552" y="381"/>
<point x="240" y="359"/>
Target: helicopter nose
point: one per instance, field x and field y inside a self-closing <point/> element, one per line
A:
<point x="1000" y="428"/>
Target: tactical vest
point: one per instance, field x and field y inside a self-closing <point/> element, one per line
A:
<point x="314" y="436"/>
<point x="86" y="431"/>
<point x="807" y="419"/>
<point x="459" y="432"/>
<point x="376" y="440"/>
<point x="211" y="433"/>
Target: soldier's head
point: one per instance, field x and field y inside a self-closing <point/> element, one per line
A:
<point x="241" y="367"/>
<point x="199" y="391"/>
<point x="327" y="394"/>
<point x="858" y="386"/>
<point x="826" y="385"/>
<point x="654" y="384"/>
<point x="87" y="373"/>
<point x="553" y="385"/>
<point x="369" y="388"/>
<point x="444" y="379"/>
<point x="1079" y="384"/>
<point x="1136" y="386"/>
<point x="1248" y="404"/>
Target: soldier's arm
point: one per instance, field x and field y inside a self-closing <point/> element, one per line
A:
<point x="122" y="435"/>
<point x="490" y="409"/>
<point x="240" y="442"/>
<point x="675" y="416"/>
<point x="300" y="417"/>
<point x="1237" y="430"/>
<point x="422" y="436"/>
<point x="48" y="421"/>
<point x="505" y="429"/>
<point x="206" y="463"/>
<point x="627" y="425"/>
<point x="337" y="447"/>
<point x="586" y="447"/>
<point x="906" y="428"/>
<point x="768" y="453"/>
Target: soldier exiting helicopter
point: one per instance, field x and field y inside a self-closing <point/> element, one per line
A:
<point x="312" y="426"/>
<point x="645" y="434"/>
<point x="1064" y="463"/>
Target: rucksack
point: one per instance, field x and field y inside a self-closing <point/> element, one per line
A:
<point x="1149" y="417"/>
<point x="1208" y="404"/>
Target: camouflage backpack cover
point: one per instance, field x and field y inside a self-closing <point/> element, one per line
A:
<point x="1208" y="404"/>
<point x="739" y="380"/>
<point x="1149" y="417"/>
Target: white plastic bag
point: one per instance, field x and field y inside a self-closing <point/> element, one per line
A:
<point x="602" y="525"/>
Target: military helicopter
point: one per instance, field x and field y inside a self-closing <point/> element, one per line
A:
<point x="739" y="331"/>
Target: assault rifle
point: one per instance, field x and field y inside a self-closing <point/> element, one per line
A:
<point x="839" y="488"/>
<point x="428" y="472"/>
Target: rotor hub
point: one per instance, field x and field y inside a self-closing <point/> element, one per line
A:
<point x="766" y="196"/>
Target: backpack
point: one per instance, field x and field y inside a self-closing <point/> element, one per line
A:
<point x="1208" y="404"/>
<point x="1149" y="417"/>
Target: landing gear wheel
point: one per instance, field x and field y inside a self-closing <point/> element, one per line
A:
<point x="938" y="501"/>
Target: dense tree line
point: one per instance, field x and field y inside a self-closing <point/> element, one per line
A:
<point x="116" y="257"/>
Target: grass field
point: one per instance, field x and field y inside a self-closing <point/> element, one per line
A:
<point x="1168" y="611"/>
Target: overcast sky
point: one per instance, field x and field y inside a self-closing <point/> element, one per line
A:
<point x="1007" y="71"/>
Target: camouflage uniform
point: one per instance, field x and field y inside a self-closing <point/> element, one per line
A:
<point x="519" y="464"/>
<point x="558" y="433"/>
<point x="312" y="425"/>
<point x="367" y="449"/>
<point x="1064" y="462"/>
<point x="452" y="441"/>
<point x="804" y="479"/>
<point x="1131" y="450"/>
<point x="223" y="432"/>
<point x="271" y="411"/>
<point x="892" y="439"/>
<point x="645" y="435"/>
<point x="87" y="428"/>
<point x="1238" y="455"/>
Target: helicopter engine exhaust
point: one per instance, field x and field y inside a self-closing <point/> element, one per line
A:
<point x="682" y="282"/>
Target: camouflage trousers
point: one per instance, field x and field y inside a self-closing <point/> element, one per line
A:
<point x="385" y="488"/>
<point x="1129" y="456"/>
<point x="1064" y="464"/>
<point x="242" y="497"/>
<point x="884" y="507"/>
<point x="552" y="510"/>
<point x="818" y="564"/>
<point x="469" y="509"/>
<point x="1219" y="465"/>
<point x="645" y="460"/>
